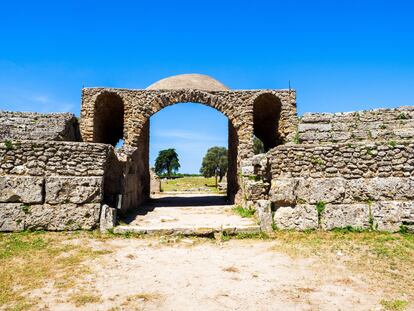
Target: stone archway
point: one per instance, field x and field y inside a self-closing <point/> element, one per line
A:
<point x="163" y="100"/>
<point x="239" y="106"/>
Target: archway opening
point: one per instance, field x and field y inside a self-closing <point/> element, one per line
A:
<point x="109" y="119"/>
<point x="190" y="130"/>
<point x="266" y="115"/>
<point x="194" y="131"/>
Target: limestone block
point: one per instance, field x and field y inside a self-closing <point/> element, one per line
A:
<point x="263" y="208"/>
<point x="343" y="215"/>
<point x="24" y="189"/>
<point x="314" y="190"/>
<point x="300" y="217"/>
<point x="255" y="190"/>
<point x="380" y="189"/>
<point x="283" y="191"/>
<point x="77" y="190"/>
<point x="107" y="218"/>
<point x="320" y="127"/>
<point x="391" y="215"/>
<point x="62" y="217"/>
<point x="12" y="217"/>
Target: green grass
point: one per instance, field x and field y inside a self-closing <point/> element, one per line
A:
<point x="196" y="183"/>
<point x="394" y="305"/>
<point x="244" y="212"/>
<point x="27" y="260"/>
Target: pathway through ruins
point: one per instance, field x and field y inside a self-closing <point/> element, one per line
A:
<point x="193" y="213"/>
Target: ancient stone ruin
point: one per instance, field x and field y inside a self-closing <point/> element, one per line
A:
<point x="319" y="171"/>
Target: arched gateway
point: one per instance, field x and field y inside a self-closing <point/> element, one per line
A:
<point x="109" y="115"/>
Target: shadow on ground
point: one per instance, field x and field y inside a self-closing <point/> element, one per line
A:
<point x="169" y="201"/>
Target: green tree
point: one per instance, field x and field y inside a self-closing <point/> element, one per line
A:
<point x="258" y="146"/>
<point x="167" y="161"/>
<point x="215" y="163"/>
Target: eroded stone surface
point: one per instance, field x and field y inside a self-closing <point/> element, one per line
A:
<point x="77" y="190"/>
<point x="346" y="215"/>
<point x="300" y="217"/>
<point x="22" y="189"/>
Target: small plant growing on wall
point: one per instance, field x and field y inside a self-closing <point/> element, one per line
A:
<point x="392" y="144"/>
<point x="320" y="207"/>
<point x="8" y="144"/>
<point x="402" y="116"/>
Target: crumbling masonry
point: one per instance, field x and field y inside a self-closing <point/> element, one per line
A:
<point x="319" y="171"/>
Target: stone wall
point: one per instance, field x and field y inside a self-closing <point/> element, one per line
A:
<point x="38" y="126"/>
<point x="51" y="185"/>
<point x="362" y="185"/>
<point x="373" y="125"/>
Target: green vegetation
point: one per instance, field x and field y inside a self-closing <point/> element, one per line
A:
<point x="215" y="163"/>
<point x="296" y="139"/>
<point x="244" y="212"/>
<point x="392" y="144"/>
<point x="402" y="116"/>
<point x="196" y="183"/>
<point x="317" y="160"/>
<point x="41" y="257"/>
<point x="394" y="305"/>
<point x="167" y="162"/>
<point x="8" y="144"/>
<point x="320" y="207"/>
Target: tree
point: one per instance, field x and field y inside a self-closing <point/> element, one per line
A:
<point x="167" y="161"/>
<point x="215" y="163"/>
<point x="258" y="146"/>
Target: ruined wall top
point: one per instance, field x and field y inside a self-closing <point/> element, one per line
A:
<point x="38" y="126"/>
<point x="369" y="125"/>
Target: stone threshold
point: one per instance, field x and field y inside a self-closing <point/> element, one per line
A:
<point x="187" y="231"/>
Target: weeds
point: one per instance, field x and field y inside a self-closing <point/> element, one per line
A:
<point x="8" y="143"/>
<point x="244" y="212"/>
<point x="320" y="207"/>
<point x="394" y="305"/>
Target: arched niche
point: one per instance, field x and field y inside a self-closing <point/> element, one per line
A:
<point x="108" y="119"/>
<point x="266" y="116"/>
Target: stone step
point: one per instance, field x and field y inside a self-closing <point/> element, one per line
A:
<point x="183" y="230"/>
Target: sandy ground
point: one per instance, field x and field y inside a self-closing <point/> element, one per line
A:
<point x="149" y="274"/>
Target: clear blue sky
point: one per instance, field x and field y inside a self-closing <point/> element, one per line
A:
<point x="339" y="55"/>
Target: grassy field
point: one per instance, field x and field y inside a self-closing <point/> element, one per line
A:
<point x="28" y="261"/>
<point x="189" y="184"/>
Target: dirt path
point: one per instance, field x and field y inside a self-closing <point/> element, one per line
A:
<point x="184" y="213"/>
<point x="146" y="274"/>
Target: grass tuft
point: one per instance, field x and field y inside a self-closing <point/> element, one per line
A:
<point x="394" y="305"/>
<point x="244" y="212"/>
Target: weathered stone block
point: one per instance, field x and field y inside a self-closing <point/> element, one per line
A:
<point x="23" y="189"/>
<point x="255" y="190"/>
<point x="314" y="190"/>
<point x="380" y="189"/>
<point x="12" y="217"/>
<point x="107" y="218"/>
<point x="77" y="190"/>
<point x="264" y="211"/>
<point x="64" y="217"/>
<point x="283" y="191"/>
<point x="300" y="217"/>
<point x="343" y="215"/>
<point x="391" y="215"/>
